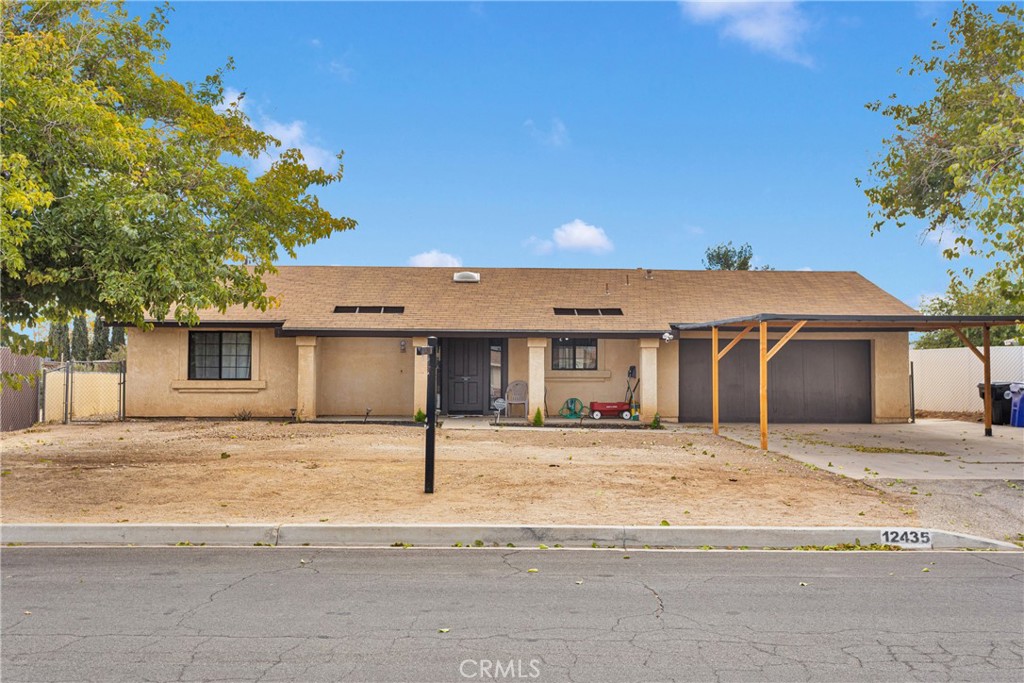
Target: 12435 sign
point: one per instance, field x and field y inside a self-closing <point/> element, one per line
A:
<point x="907" y="537"/>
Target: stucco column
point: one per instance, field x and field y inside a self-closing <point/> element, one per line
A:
<point x="535" y="378"/>
<point x="306" y="378"/>
<point x="648" y="378"/>
<point x="419" y="377"/>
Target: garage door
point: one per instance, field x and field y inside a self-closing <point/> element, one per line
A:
<point x="808" y="381"/>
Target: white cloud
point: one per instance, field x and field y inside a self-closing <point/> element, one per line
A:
<point x="694" y="230"/>
<point x="573" y="236"/>
<point x="806" y="269"/>
<point x="435" y="259"/>
<point x="556" y="136"/>
<point x="580" y="236"/>
<point x="315" y="42"/>
<point x="292" y="135"/>
<point x="538" y="245"/>
<point x="943" y="239"/>
<point x="776" y="28"/>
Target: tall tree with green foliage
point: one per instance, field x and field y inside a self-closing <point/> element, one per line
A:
<point x="117" y="340"/>
<point x="59" y="341"/>
<point x="727" y="257"/>
<point x="956" y="160"/>
<point x="125" y="192"/>
<point x="80" y="338"/>
<point x="984" y="297"/>
<point x="100" y="341"/>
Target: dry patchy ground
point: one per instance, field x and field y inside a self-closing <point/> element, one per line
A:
<point x="198" y="471"/>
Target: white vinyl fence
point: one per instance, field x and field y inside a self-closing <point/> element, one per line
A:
<point x="946" y="380"/>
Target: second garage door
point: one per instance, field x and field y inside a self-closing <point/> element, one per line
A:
<point x="808" y="381"/>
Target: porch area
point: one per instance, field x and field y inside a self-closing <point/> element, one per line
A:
<point x="349" y="379"/>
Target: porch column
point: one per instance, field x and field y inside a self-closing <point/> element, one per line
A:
<point x="536" y="347"/>
<point x="648" y="378"/>
<point x="419" y="377"/>
<point x="306" y="378"/>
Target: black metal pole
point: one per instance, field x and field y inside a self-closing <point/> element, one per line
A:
<point x="428" y="485"/>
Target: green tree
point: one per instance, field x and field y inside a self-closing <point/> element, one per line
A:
<point x="59" y="341"/>
<point x="727" y="257"/>
<point x="955" y="161"/>
<point x="983" y="298"/>
<point x="100" y="341"/>
<point x="80" y="338"/>
<point x="116" y="338"/>
<point x="125" y="193"/>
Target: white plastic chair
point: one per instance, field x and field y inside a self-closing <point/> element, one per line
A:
<point x="517" y="393"/>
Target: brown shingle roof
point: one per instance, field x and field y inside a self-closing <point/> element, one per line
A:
<point x="522" y="300"/>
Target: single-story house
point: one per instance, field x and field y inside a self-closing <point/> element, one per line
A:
<point x="343" y="341"/>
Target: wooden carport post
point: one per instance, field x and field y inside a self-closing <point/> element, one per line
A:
<point x="986" y="340"/>
<point x="716" y="356"/>
<point x="766" y="356"/>
<point x="985" y="356"/>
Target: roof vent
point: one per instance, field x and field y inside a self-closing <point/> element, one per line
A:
<point x="466" y="276"/>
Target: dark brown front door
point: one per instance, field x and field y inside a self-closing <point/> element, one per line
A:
<point x="466" y="372"/>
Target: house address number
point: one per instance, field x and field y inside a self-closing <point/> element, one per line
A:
<point x="915" y="538"/>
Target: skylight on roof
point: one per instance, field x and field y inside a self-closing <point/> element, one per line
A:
<point x="588" y="311"/>
<point x="369" y="309"/>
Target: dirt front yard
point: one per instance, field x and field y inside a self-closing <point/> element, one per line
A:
<point x="198" y="471"/>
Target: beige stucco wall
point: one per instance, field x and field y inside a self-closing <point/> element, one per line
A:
<point x="360" y="373"/>
<point x="355" y="374"/>
<point x="158" y="384"/>
<point x="890" y="368"/>
<point x="668" y="380"/>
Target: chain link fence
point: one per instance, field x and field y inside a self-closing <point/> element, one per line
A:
<point x="19" y="407"/>
<point x="83" y="391"/>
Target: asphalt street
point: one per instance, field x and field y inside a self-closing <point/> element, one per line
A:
<point x="271" y="614"/>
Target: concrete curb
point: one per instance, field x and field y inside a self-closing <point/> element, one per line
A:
<point x="448" y="535"/>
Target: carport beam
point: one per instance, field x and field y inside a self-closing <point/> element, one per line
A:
<point x="765" y="357"/>
<point x="714" y="380"/>
<point x="716" y="356"/>
<point x="986" y="337"/>
<point x="763" y="333"/>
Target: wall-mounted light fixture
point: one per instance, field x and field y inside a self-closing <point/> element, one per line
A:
<point x="401" y="345"/>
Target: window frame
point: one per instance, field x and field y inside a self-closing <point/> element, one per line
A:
<point x="193" y="343"/>
<point x="576" y="344"/>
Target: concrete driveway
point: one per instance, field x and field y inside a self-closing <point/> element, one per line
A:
<point x="960" y="479"/>
<point x="927" y="449"/>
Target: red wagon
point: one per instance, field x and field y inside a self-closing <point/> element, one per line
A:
<point x="599" y="409"/>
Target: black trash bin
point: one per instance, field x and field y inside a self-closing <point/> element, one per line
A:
<point x="1002" y="401"/>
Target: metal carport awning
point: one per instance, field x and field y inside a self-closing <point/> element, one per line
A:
<point x="793" y="323"/>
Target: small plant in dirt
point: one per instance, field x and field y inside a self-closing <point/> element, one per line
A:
<point x="538" y="419"/>
<point x="401" y="544"/>
<point x="478" y="543"/>
<point x="243" y="415"/>
<point x="420" y="416"/>
<point x="224" y="456"/>
<point x="664" y="522"/>
<point x="656" y="422"/>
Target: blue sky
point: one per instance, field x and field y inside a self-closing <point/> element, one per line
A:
<point x="582" y="134"/>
